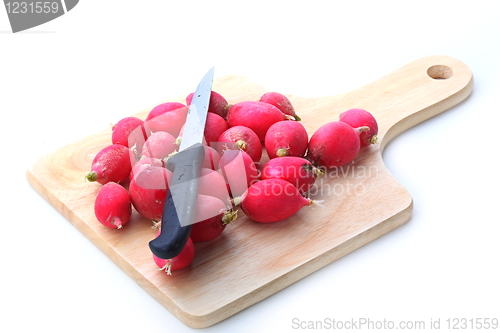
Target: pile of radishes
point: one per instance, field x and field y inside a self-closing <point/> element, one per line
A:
<point x="133" y="173"/>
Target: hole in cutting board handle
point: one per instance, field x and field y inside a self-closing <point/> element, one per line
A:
<point x="440" y="72"/>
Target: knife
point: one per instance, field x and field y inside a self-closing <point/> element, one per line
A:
<point x="180" y="204"/>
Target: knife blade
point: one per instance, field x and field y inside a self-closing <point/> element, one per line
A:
<point x="180" y="205"/>
<point x="197" y="112"/>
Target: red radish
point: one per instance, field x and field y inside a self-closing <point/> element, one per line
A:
<point x="218" y="103"/>
<point x="148" y="190"/>
<point x="211" y="218"/>
<point x="245" y="139"/>
<point x="209" y="229"/>
<point x="111" y="164"/>
<point x="170" y="121"/>
<point x="272" y="200"/>
<point x="178" y="262"/>
<point x="296" y="170"/>
<point x="164" y="108"/>
<point x="212" y="183"/>
<point x="286" y="138"/>
<point x="159" y="145"/>
<point x="258" y="116"/>
<point x="214" y="127"/>
<point x="239" y="171"/>
<point x="129" y="132"/>
<point x="142" y="163"/>
<point x="281" y="102"/>
<point x="112" y="206"/>
<point x="334" y="144"/>
<point x="358" y="118"/>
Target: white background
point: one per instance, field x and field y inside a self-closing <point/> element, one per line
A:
<point x="104" y="60"/>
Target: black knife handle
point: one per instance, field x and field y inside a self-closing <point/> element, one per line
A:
<point x="180" y="204"/>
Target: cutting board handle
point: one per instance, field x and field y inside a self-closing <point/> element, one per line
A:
<point x="410" y="94"/>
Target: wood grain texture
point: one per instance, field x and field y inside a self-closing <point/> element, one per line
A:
<point x="362" y="200"/>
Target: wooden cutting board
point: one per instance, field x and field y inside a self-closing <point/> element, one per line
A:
<point x="252" y="261"/>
